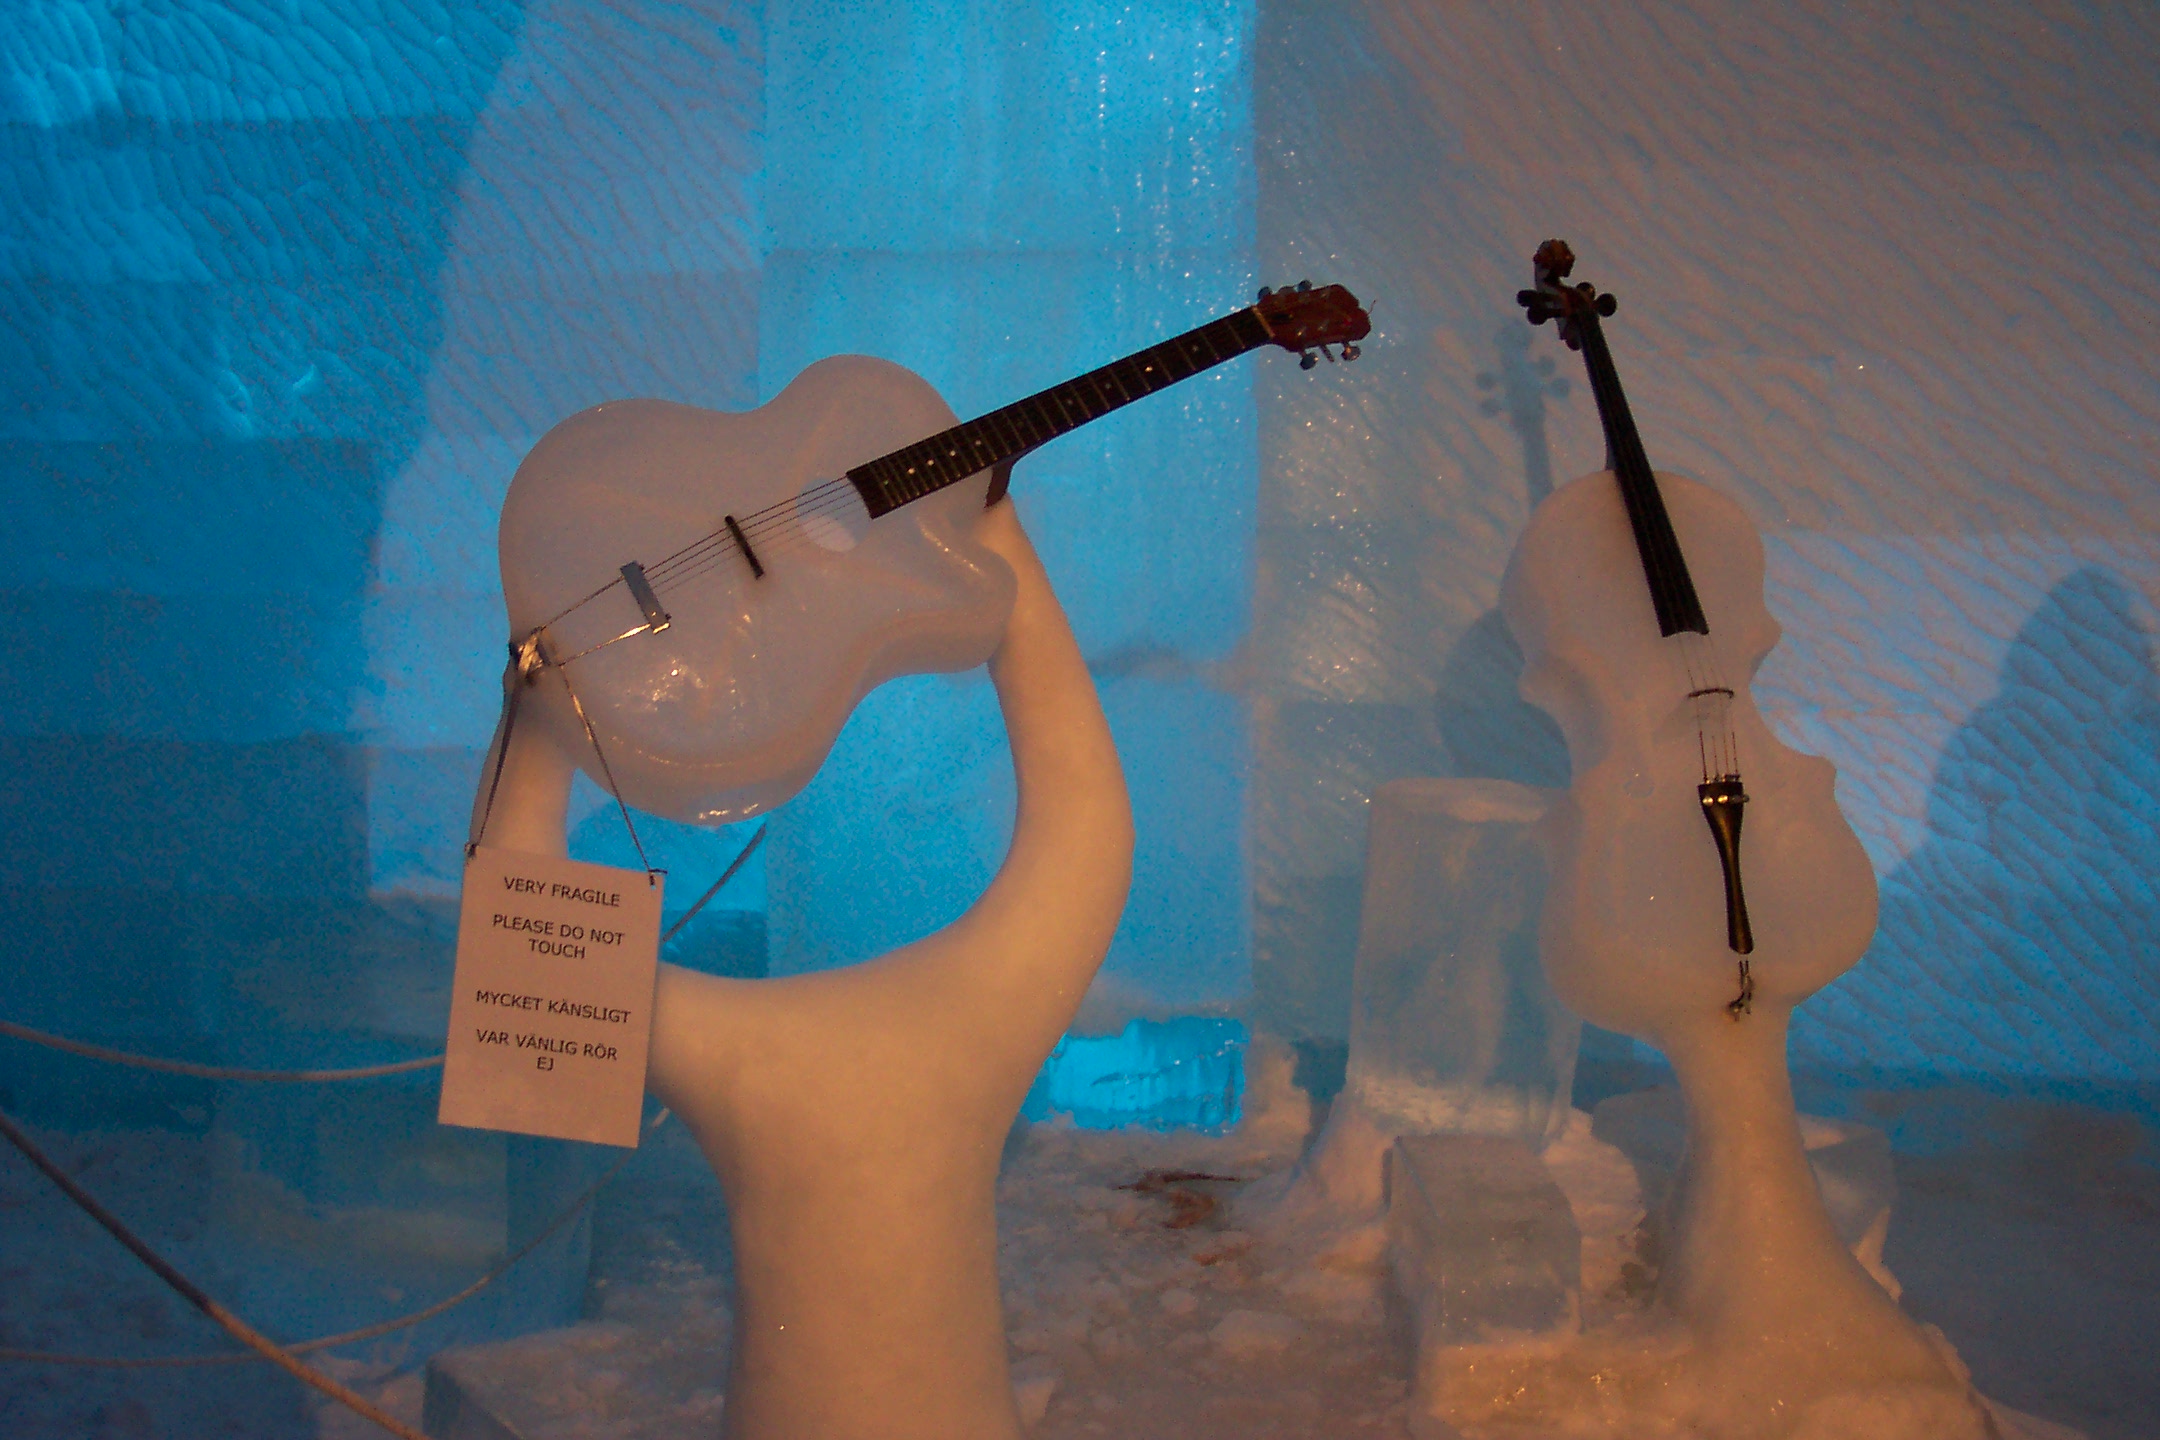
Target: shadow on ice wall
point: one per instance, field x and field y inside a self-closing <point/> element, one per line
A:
<point x="2030" y="916"/>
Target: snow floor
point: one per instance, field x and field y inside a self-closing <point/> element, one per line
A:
<point x="2028" y="1230"/>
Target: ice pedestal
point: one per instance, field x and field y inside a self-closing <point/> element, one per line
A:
<point x="1482" y="1242"/>
<point x="1453" y="1029"/>
<point x="1851" y="1161"/>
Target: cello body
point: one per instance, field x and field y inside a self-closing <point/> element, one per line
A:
<point x="1632" y="933"/>
<point x="731" y="708"/>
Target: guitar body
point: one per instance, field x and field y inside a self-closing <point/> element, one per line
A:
<point x="717" y="591"/>
<point x="731" y="707"/>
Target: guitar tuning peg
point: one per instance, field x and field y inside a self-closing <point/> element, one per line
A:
<point x="1266" y="290"/>
<point x="1304" y="285"/>
<point x="1329" y="353"/>
<point x="1307" y="360"/>
<point x="1350" y="352"/>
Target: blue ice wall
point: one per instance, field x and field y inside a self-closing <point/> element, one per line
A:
<point x="287" y="294"/>
<point x="1001" y="197"/>
<point x="1161" y="1074"/>
<point x="222" y="250"/>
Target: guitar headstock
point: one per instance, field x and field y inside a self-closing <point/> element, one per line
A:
<point x="1553" y="299"/>
<point x="1304" y="320"/>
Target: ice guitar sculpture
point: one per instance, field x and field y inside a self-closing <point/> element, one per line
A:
<point x="718" y="590"/>
<point x="1790" y="1336"/>
<point x="855" y="1116"/>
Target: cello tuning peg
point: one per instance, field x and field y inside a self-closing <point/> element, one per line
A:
<point x="1606" y="305"/>
<point x="1350" y="352"/>
<point x="1303" y="285"/>
<point x="1266" y="290"/>
<point x="1307" y="360"/>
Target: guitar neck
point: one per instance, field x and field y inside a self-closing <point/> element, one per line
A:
<point x="1672" y="589"/>
<point x="950" y="456"/>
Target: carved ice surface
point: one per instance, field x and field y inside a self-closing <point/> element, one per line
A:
<point x="1452" y="1025"/>
<point x="1481" y="1240"/>
<point x="1188" y="1072"/>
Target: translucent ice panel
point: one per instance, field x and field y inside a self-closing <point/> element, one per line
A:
<point x="1188" y="1072"/>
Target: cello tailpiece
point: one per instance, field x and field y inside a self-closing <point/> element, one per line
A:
<point x="1722" y="800"/>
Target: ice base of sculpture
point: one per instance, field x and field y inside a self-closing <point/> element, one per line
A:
<point x="856" y="1117"/>
<point x="1764" y="1325"/>
<point x="1453" y="1029"/>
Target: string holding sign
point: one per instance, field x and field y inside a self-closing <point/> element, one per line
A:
<point x="528" y="660"/>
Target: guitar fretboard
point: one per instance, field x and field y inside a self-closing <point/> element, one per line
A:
<point x="1672" y="589"/>
<point x="949" y="457"/>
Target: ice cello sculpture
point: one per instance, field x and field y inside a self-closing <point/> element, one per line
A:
<point x="1576" y="310"/>
<point x="855" y="1117"/>
<point x="1637" y="935"/>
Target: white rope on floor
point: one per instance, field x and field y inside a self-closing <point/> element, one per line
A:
<point x="211" y="1072"/>
<point x="230" y="1323"/>
<point x="348" y="1337"/>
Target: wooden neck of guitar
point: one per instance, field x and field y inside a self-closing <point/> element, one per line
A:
<point x="1006" y="434"/>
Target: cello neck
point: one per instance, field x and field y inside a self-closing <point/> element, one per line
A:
<point x="1672" y="589"/>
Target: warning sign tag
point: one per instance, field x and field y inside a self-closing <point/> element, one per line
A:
<point x="551" y="1007"/>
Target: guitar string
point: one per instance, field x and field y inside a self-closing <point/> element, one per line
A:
<point x="787" y="541"/>
<point x="829" y="497"/>
<point x="1010" y="418"/>
<point x="779" y="536"/>
<point x="832" y="498"/>
<point x="753" y="524"/>
<point x="1203" y="353"/>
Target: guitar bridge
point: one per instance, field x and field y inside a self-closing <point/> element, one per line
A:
<point x="656" y="619"/>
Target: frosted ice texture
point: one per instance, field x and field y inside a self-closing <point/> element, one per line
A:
<point x="1031" y="193"/>
<point x="288" y="290"/>
<point x="1878" y="277"/>
<point x="1482" y="1242"/>
<point x="1185" y="1073"/>
<point x="1452" y="1026"/>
